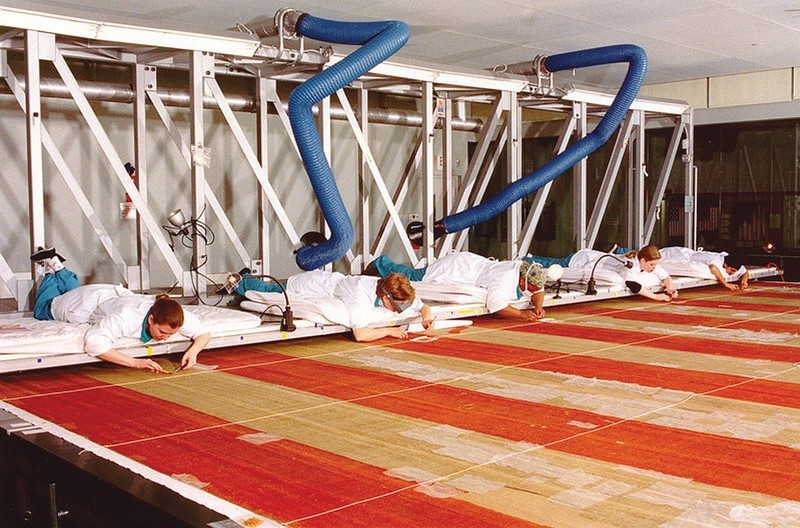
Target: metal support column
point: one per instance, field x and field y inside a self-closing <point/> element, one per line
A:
<point x="202" y="66"/>
<point x="447" y="158"/>
<point x="364" y="235"/>
<point x="33" y="121"/>
<point x="263" y="157"/>
<point x="325" y="133"/>
<point x="579" y="186"/>
<point x="429" y="118"/>
<point x="691" y="175"/>
<point x="535" y="212"/>
<point x="514" y="170"/>
<point x="144" y="79"/>
<point x="609" y="179"/>
<point x="663" y="179"/>
<point x="638" y="174"/>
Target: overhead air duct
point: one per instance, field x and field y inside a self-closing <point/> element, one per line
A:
<point x="637" y="66"/>
<point x="378" y="41"/>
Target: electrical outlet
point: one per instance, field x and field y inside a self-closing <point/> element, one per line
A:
<point x="413" y="217"/>
<point x="440" y="162"/>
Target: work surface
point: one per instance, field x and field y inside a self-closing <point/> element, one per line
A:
<point x="616" y="413"/>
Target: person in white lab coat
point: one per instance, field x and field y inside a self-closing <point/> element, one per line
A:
<point x="505" y="280"/>
<point x="646" y="272"/>
<point x="114" y="312"/>
<point x="725" y="274"/>
<point x="373" y="304"/>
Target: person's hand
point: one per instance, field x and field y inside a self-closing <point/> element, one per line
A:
<point x="148" y="364"/>
<point x="673" y="294"/>
<point x="743" y="284"/>
<point x="188" y="360"/>
<point x="539" y="312"/>
<point x="731" y="286"/>
<point x="663" y="297"/>
<point x="427" y="324"/>
<point x="528" y="315"/>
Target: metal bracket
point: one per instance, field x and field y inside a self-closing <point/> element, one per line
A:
<point x="150" y="78"/>
<point x="286" y="24"/>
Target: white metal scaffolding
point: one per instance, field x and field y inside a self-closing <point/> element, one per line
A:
<point x="55" y="40"/>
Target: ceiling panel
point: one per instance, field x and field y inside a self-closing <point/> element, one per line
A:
<point x="684" y="39"/>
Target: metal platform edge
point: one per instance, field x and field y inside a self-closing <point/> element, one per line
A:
<point x="267" y="332"/>
<point x="270" y="332"/>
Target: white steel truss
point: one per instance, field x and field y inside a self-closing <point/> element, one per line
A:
<point x="54" y="39"/>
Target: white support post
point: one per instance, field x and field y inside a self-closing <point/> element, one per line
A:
<point x="663" y="180"/>
<point x="263" y="156"/>
<point x="447" y="158"/>
<point x="514" y="172"/>
<point x="579" y="186"/>
<point x="116" y="164"/>
<point x="376" y="175"/>
<point x="535" y="213"/>
<point x="428" y="124"/>
<point x="639" y="173"/>
<point x="201" y="68"/>
<point x="364" y="235"/>
<point x="211" y="199"/>
<point x="144" y="78"/>
<point x="609" y="179"/>
<point x="33" y="121"/>
<point x="324" y="130"/>
<point x="475" y="163"/>
<point x="690" y="174"/>
<point x="72" y="183"/>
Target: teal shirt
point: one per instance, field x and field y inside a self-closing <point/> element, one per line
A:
<point x="145" y="336"/>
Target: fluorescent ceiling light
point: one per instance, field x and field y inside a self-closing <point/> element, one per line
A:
<point x="60" y="24"/>
<point x="582" y="95"/>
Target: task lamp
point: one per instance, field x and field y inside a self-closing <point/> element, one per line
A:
<point x="591" y="287"/>
<point x="287" y="318"/>
<point x="554" y="273"/>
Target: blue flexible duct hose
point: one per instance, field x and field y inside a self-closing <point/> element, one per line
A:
<point x="637" y="59"/>
<point x="378" y="41"/>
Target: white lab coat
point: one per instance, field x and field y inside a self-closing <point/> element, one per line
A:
<point x="114" y="312"/>
<point x="645" y="278"/>
<point x="709" y="258"/>
<point x="357" y="292"/>
<point x="499" y="277"/>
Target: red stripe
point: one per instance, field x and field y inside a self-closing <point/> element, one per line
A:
<point x="681" y="343"/>
<point x="774" y="293"/>
<point x="282" y="480"/>
<point x="691" y="320"/>
<point x="285" y="480"/>
<point x="736" y="305"/>
<point x="111" y="414"/>
<point x="43" y="382"/>
<point x="778" y="283"/>
<point x="758" y="391"/>
<point x="720" y="461"/>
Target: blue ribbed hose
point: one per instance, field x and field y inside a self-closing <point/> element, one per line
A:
<point x="378" y="41"/>
<point x="637" y="66"/>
